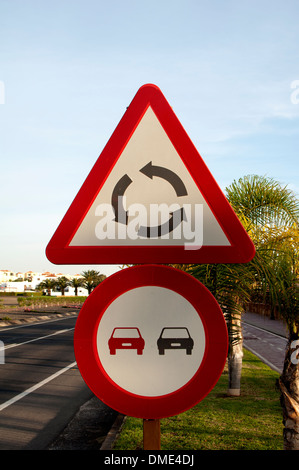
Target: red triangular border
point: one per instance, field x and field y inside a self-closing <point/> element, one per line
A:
<point x="241" y="250"/>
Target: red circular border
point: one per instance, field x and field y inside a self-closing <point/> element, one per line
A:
<point x="211" y="365"/>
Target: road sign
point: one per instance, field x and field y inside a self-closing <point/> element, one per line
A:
<point x="150" y="198"/>
<point x="150" y="341"/>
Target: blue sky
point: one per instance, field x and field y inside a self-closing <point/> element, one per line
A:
<point x="69" y="69"/>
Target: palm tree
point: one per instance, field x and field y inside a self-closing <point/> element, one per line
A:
<point x="91" y="279"/>
<point x="230" y="284"/>
<point x="266" y="209"/>
<point x="62" y="282"/>
<point x="47" y="284"/>
<point x="287" y="271"/>
<point x="76" y="283"/>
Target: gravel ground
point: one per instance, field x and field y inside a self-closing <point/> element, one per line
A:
<point x="94" y="427"/>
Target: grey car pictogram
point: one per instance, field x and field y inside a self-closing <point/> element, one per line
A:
<point x="175" y="338"/>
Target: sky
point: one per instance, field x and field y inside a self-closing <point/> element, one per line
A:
<point x="70" y="68"/>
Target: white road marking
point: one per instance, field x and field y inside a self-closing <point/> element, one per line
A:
<point x="35" y="387"/>
<point x="13" y="345"/>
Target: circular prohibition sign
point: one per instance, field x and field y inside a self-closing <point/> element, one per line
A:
<point x="150" y="341"/>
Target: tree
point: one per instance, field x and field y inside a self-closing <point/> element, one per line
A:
<point x="62" y="282"/>
<point x="267" y="211"/>
<point x="47" y="284"/>
<point x="76" y="283"/>
<point x="286" y="269"/>
<point x="91" y="279"/>
<point x="230" y="284"/>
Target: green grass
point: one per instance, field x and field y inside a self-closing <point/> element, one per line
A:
<point x="252" y="421"/>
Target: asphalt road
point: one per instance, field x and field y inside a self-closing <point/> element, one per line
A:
<point x="41" y="386"/>
<point x="269" y="346"/>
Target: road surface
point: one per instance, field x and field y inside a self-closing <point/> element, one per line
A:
<point x="269" y="346"/>
<point x="41" y="386"/>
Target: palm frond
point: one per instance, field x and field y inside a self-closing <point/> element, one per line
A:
<point x="263" y="201"/>
<point x="270" y="215"/>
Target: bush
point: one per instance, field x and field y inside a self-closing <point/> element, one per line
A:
<point x="45" y="300"/>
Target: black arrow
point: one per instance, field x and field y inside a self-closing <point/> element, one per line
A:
<point x="121" y="215"/>
<point x="176" y="218"/>
<point x="151" y="170"/>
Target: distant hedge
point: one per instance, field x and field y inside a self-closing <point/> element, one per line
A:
<point x="19" y="294"/>
<point x="45" y="300"/>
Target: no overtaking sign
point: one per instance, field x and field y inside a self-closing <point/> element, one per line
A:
<point x="151" y="341"/>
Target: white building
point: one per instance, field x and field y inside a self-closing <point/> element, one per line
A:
<point x="12" y="287"/>
<point x="28" y="281"/>
<point x="70" y="291"/>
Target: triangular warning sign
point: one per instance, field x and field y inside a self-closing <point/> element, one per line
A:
<point x="150" y="198"/>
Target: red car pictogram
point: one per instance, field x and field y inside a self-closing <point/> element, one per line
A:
<point x="126" y="338"/>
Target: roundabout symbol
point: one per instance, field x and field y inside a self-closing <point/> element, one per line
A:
<point x="150" y="170"/>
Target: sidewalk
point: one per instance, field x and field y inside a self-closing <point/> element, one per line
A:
<point x="264" y="322"/>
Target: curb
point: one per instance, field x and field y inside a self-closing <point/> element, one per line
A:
<point x="21" y="321"/>
<point x="113" y="433"/>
